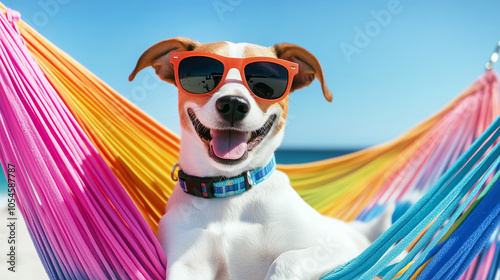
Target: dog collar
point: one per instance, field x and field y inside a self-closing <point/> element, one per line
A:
<point x="211" y="187"/>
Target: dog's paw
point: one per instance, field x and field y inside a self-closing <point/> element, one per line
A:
<point x="374" y="228"/>
<point x="305" y="264"/>
<point x="283" y="269"/>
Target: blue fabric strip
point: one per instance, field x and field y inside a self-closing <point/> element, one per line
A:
<point x="454" y="256"/>
<point x="448" y="203"/>
<point x="433" y="248"/>
<point x="372" y="260"/>
<point x="495" y="263"/>
<point x="449" y="213"/>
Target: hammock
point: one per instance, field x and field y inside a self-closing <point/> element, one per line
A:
<point x="92" y="175"/>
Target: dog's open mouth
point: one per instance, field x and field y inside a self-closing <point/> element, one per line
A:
<point x="230" y="146"/>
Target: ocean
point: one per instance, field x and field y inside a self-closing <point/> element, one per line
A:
<point x="283" y="156"/>
<point x="291" y="156"/>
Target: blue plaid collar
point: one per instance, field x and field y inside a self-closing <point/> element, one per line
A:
<point x="211" y="187"/>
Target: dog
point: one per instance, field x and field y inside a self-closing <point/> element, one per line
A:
<point x="231" y="214"/>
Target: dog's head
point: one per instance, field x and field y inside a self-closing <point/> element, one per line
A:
<point x="229" y="130"/>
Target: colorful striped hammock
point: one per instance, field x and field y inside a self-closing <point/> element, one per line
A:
<point x="93" y="175"/>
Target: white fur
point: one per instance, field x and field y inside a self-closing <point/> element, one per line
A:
<point x="237" y="50"/>
<point x="268" y="232"/>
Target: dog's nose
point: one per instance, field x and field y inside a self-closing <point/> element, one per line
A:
<point x="232" y="108"/>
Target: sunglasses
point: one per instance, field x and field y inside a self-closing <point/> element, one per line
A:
<point x="269" y="79"/>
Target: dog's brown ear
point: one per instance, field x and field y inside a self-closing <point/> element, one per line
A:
<point x="158" y="57"/>
<point x="309" y="67"/>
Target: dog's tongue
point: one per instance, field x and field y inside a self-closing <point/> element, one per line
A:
<point x="229" y="144"/>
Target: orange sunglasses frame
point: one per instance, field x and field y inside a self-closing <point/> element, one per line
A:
<point x="238" y="63"/>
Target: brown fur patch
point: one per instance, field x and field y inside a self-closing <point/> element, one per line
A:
<point x="283" y="105"/>
<point x="183" y="98"/>
<point x="252" y="50"/>
<point x="220" y="48"/>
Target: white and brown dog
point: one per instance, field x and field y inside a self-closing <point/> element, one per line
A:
<point x="232" y="215"/>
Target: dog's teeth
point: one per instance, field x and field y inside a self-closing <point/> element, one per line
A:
<point x="211" y="133"/>
<point x="249" y="136"/>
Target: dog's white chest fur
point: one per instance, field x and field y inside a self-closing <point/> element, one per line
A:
<point x="250" y="236"/>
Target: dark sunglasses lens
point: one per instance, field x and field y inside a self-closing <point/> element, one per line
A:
<point x="266" y="79"/>
<point x="199" y="74"/>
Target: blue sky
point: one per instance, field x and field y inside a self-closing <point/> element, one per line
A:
<point x="389" y="64"/>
